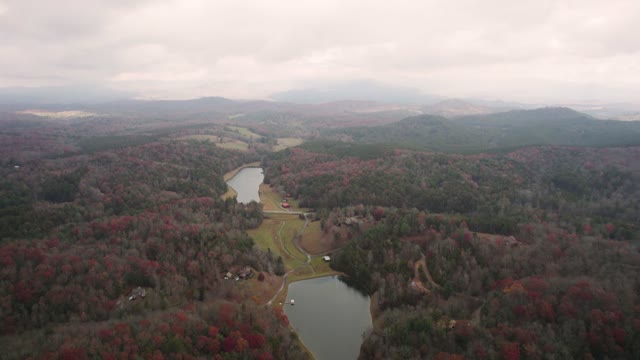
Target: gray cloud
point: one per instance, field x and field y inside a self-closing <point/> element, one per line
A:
<point x="562" y="50"/>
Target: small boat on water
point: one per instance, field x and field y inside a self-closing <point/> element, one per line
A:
<point x="292" y="302"/>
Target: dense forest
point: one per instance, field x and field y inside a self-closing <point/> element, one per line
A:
<point x="494" y="192"/>
<point x="500" y="236"/>
<point x="529" y="254"/>
<point x="86" y="224"/>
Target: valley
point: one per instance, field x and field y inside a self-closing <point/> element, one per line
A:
<point x="478" y="236"/>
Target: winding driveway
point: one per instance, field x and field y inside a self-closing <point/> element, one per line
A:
<point x="295" y="243"/>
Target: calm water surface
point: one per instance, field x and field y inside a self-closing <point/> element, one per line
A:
<point x="247" y="183"/>
<point x="329" y="317"/>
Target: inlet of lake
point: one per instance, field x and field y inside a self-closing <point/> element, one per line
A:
<point x="329" y="316"/>
<point x="247" y="184"/>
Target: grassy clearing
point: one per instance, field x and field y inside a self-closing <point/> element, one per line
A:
<point x="271" y="199"/>
<point x="284" y="143"/>
<point x="68" y="114"/>
<point x="229" y="144"/>
<point x="244" y="132"/>
<point x="314" y="241"/>
<point x="289" y="231"/>
<point x="234" y="145"/>
<point x="275" y="234"/>
<point x="210" y="138"/>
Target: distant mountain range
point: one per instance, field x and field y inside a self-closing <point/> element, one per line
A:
<point x="491" y="132"/>
<point x="458" y="107"/>
<point x="363" y="90"/>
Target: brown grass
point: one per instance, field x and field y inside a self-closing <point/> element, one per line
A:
<point x="284" y="143"/>
<point x="314" y="241"/>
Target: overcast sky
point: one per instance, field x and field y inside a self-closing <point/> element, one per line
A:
<point x="528" y="51"/>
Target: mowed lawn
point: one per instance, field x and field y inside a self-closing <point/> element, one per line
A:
<point x="271" y="200"/>
<point x="277" y="234"/>
<point x="314" y="241"/>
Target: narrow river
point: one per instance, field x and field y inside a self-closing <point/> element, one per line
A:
<point x="329" y="316"/>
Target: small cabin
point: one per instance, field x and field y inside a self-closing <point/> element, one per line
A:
<point x="137" y="293"/>
<point x="326" y="258"/>
<point x="246" y="273"/>
<point x="285" y="205"/>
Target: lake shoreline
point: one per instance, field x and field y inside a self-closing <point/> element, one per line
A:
<point x="312" y="269"/>
<point x="321" y="304"/>
<point x="231" y="192"/>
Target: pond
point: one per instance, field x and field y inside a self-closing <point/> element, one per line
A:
<point x="329" y="316"/>
<point x="247" y="184"/>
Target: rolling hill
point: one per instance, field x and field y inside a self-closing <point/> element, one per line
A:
<point x="491" y="132"/>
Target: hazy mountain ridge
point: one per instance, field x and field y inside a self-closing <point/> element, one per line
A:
<point x="512" y="129"/>
<point x="458" y="107"/>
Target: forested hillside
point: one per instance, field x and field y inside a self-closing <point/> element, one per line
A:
<point x="496" y="132"/>
<point x="117" y="249"/>
<point x="495" y="192"/>
<point x="473" y="239"/>
<point x="529" y="254"/>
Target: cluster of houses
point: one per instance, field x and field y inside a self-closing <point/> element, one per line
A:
<point x="245" y="273"/>
<point x="285" y="203"/>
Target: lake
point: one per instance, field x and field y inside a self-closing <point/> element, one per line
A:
<point x="329" y="316"/>
<point x="247" y="184"/>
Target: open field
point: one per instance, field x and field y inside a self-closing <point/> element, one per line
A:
<point x="314" y="241"/>
<point x="69" y="114"/>
<point x="276" y="234"/>
<point x="243" y="131"/>
<point x="270" y="200"/>
<point x="234" y="145"/>
<point x="211" y="138"/>
<point x="229" y="144"/>
<point x="284" y="143"/>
